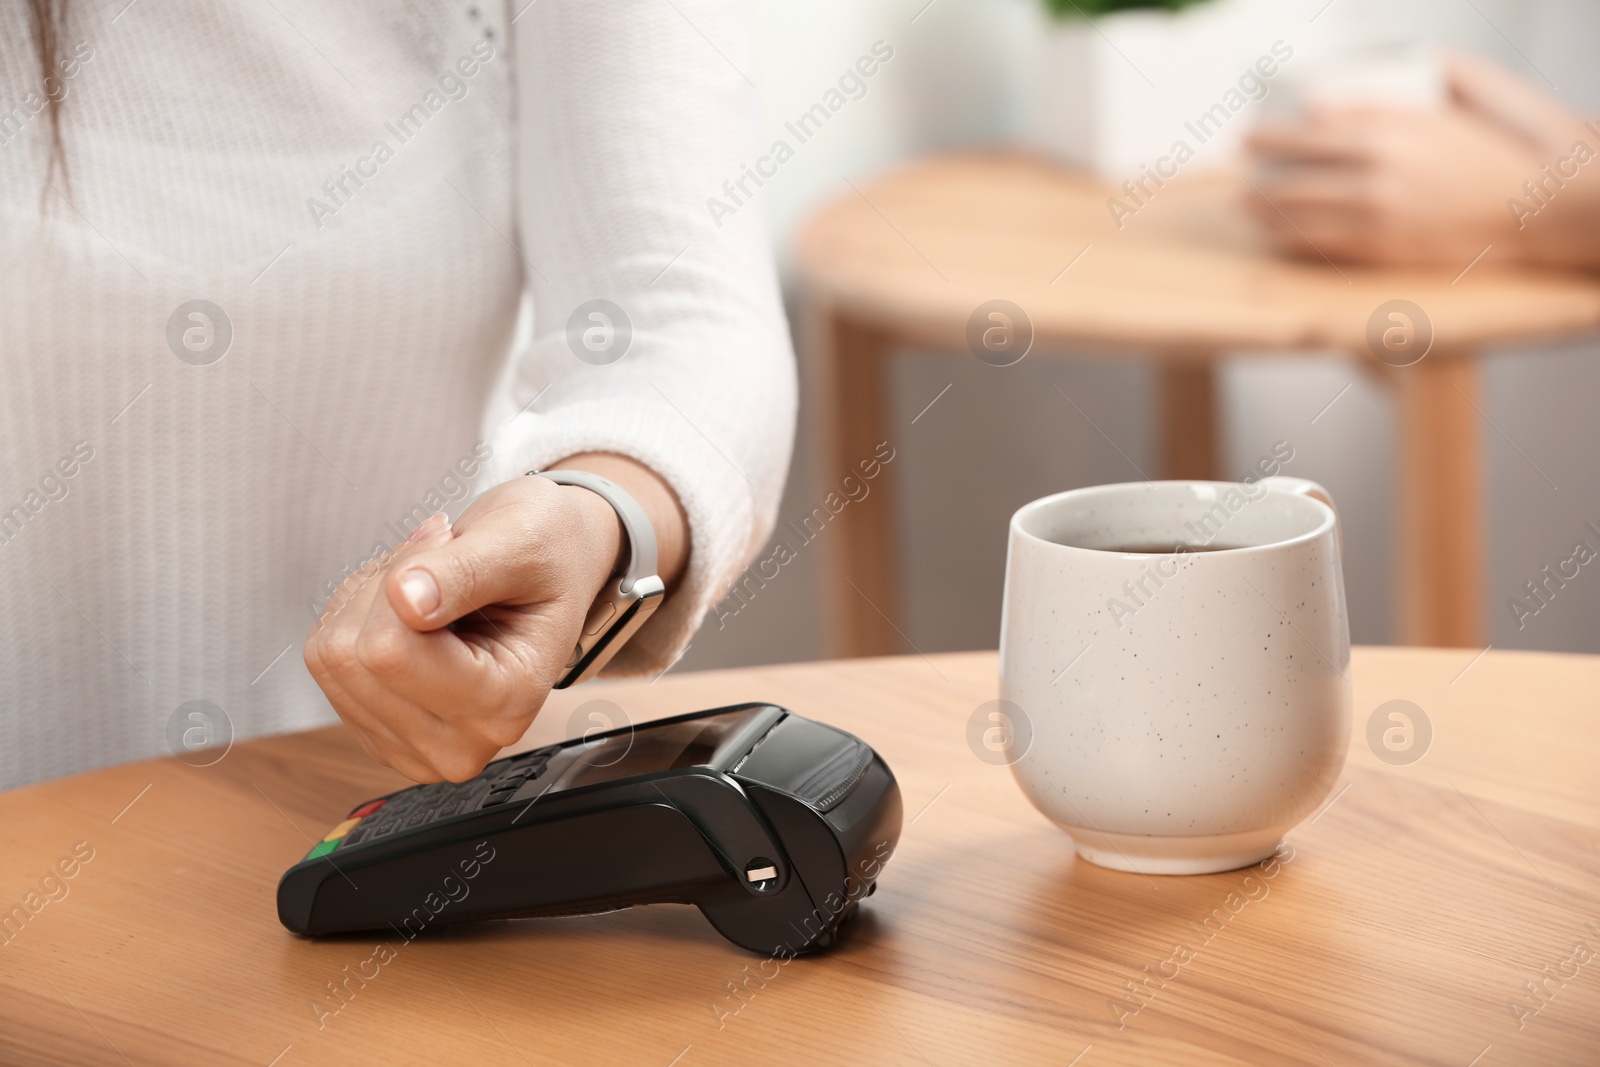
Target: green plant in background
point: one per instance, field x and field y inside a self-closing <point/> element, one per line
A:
<point x="1064" y="8"/>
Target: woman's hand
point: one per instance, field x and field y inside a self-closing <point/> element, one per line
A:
<point x="441" y="655"/>
<point x="1411" y="187"/>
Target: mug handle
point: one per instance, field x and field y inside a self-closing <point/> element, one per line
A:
<point x="1307" y="487"/>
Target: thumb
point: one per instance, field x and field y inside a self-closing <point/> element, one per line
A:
<point x="1500" y="96"/>
<point x="446" y="574"/>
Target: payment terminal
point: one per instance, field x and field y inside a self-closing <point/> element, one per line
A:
<point x="775" y="826"/>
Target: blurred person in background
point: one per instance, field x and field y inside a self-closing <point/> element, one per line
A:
<point x="1502" y="164"/>
<point x="261" y="269"/>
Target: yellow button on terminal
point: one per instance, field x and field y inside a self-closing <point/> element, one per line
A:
<point x="343" y="828"/>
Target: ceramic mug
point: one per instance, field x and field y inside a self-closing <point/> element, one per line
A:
<point x="1176" y="656"/>
<point x="1363" y="70"/>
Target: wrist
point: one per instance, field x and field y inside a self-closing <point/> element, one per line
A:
<point x="602" y="534"/>
<point x="1565" y="232"/>
<point x="653" y="494"/>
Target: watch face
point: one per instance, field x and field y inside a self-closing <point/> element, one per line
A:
<point x="620" y="615"/>
<point x="628" y="599"/>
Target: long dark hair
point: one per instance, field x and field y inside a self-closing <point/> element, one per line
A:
<point x="49" y="19"/>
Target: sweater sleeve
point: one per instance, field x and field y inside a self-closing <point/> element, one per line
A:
<point x="632" y="114"/>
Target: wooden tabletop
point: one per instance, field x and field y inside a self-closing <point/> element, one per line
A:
<point x="1401" y="925"/>
<point x="923" y="245"/>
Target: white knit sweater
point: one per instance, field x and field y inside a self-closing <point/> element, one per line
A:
<point x="366" y="190"/>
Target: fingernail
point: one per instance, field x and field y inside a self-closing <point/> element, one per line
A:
<point x="429" y="526"/>
<point x="420" y="591"/>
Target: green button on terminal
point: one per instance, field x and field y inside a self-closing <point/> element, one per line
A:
<point x="322" y="848"/>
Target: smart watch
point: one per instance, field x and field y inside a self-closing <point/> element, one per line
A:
<point x="630" y="597"/>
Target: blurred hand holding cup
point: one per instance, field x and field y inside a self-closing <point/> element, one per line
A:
<point x="1181" y="651"/>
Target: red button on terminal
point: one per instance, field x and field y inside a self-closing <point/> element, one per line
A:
<point x="366" y="809"/>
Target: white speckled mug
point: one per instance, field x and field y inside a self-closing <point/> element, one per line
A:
<point x="1177" y="655"/>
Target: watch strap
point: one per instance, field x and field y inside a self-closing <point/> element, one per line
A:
<point x="635" y="523"/>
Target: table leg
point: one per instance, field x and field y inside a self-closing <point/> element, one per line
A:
<point x="1439" y="502"/>
<point x="848" y="366"/>
<point x="1189" y="445"/>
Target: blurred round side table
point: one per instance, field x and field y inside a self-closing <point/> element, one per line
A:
<point x="907" y="259"/>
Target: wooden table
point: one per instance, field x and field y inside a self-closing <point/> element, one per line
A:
<point x="907" y="259"/>
<point x="1405" y="922"/>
